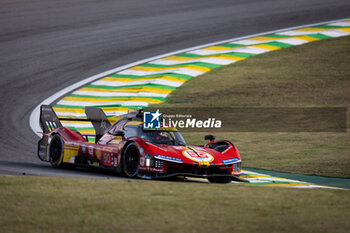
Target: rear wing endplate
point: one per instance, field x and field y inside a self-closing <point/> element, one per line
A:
<point x="48" y="119"/>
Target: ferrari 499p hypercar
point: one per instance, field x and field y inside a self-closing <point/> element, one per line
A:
<point x="130" y="149"/>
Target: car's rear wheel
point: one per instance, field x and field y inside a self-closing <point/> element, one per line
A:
<point x="219" y="179"/>
<point x="56" y="151"/>
<point x="131" y="160"/>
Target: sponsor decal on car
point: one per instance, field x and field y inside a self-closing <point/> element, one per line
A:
<point x="198" y="156"/>
<point x="91" y="150"/>
<point x="229" y="161"/>
<point x="168" y="158"/>
<point x="142" y="161"/>
<point x="98" y="154"/>
<point x="119" y="159"/>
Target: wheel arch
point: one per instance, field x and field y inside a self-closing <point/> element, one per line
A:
<point x="126" y="145"/>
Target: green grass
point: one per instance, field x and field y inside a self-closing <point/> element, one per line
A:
<point x="42" y="204"/>
<point x="311" y="75"/>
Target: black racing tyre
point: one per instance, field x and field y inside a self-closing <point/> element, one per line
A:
<point x="131" y="160"/>
<point x="219" y="179"/>
<point x="56" y="151"/>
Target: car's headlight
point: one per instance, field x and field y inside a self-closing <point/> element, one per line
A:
<point x="151" y="161"/>
<point x="148" y="160"/>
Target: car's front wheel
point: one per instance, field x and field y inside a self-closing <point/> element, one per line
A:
<point x="131" y="160"/>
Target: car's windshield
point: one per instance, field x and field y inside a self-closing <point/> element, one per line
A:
<point x="163" y="137"/>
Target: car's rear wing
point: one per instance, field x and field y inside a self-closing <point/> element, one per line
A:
<point x="99" y="120"/>
<point x="50" y="121"/>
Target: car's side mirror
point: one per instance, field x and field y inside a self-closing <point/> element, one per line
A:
<point x="209" y="137"/>
<point x="119" y="133"/>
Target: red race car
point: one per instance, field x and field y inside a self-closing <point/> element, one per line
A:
<point x="130" y="149"/>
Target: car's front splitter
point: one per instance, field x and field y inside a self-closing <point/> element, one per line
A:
<point x="150" y="175"/>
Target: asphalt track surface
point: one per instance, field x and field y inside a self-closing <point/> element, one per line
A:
<point x="46" y="45"/>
